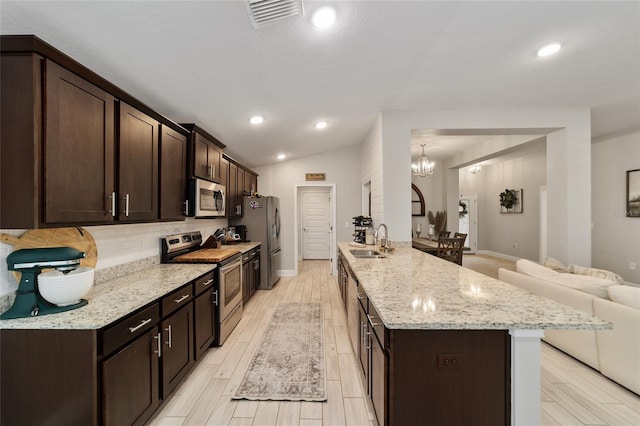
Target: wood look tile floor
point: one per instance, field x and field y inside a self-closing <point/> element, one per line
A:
<point x="572" y="394"/>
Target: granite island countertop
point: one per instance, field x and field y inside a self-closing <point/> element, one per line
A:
<point x="117" y="298"/>
<point x="414" y="290"/>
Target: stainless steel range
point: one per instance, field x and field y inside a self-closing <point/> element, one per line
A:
<point x="186" y="248"/>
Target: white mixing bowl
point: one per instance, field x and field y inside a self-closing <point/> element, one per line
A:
<point x="65" y="289"/>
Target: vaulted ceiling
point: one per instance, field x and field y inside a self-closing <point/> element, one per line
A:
<point x="204" y="62"/>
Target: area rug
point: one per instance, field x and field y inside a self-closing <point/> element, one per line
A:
<point x="288" y="364"/>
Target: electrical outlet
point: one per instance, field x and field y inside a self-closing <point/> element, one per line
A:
<point x="632" y="266"/>
<point x="449" y="360"/>
<point x="515" y="245"/>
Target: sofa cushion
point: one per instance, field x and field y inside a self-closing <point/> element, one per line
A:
<point x="596" y="286"/>
<point x="556" y="265"/>
<point x="597" y="273"/>
<point x="533" y="269"/>
<point x="625" y="295"/>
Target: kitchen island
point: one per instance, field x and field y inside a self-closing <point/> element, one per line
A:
<point x="441" y="344"/>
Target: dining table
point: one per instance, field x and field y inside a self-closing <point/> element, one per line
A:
<point x="425" y="245"/>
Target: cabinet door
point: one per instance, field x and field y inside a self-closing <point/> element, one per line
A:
<point x="254" y="184"/>
<point x="232" y="190"/>
<point x="246" y="281"/>
<point x="352" y="313"/>
<point x="78" y="149"/>
<point x="224" y="173"/>
<point x="204" y="322"/>
<point x="214" y="155"/>
<point x="138" y="165"/>
<point x="177" y="350"/>
<point x="247" y="183"/>
<point x="130" y="382"/>
<point x="201" y="157"/>
<point x="173" y="164"/>
<point x="378" y="379"/>
<point x="364" y="349"/>
<point x="255" y="273"/>
<point x="240" y="192"/>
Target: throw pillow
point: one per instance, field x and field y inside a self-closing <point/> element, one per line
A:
<point x="592" y="285"/>
<point x="625" y="295"/>
<point x="597" y="273"/>
<point x="556" y="265"/>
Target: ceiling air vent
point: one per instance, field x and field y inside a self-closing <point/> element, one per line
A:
<point x="263" y="12"/>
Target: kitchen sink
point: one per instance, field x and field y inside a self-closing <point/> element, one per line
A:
<point x="367" y="254"/>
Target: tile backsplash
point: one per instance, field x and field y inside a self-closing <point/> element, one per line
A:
<point x="118" y="244"/>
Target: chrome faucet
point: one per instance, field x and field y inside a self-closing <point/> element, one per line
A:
<point x="384" y="242"/>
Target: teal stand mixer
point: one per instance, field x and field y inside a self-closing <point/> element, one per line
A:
<point x="30" y="262"/>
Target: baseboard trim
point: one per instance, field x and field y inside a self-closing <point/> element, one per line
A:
<point x="287" y="272"/>
<point x="500" y="255"/>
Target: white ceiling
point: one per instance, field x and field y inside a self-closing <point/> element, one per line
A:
<point x="204" y="62"/>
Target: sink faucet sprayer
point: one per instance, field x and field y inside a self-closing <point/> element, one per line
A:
<point x="384" y="242"/>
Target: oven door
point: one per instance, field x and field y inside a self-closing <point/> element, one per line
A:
<point x="230" y="287"/>
<point x="208" y="198"/>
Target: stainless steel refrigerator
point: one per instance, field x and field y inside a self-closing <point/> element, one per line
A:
<point x="262" y="219"/>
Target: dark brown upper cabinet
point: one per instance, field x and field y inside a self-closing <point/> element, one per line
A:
<point x="68" y="155"/>
<point x="137" y="165"/>
<point x="205" y="153"/>
<point x="173" y="173"/>
<point x="78" y="149"/>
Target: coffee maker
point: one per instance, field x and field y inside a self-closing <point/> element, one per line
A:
<point x="241" y="230"/>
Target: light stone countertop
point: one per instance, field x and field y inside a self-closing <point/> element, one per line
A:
<point x="414" y="290"/>
<point x="115" y="299"/>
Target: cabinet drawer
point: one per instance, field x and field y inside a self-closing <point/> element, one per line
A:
<point x="378" y="326"/>
<point x="245" y="257"/>
<point x="205" y="282"/>
<point x="177" y="299"/>
<point x="131" y="327"/>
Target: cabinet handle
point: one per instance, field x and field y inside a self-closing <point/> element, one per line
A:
<point x="126" y="204"/>
<point x="113" y="204"/>
<point x="373" y="324"/>
<point x="206" y="283"/>
<point x="186" y="207"/>
<point x="183" y="298"/>
<point x="168" y="342"/>
<point x="212" y="170"/>
<point x="215" y="297"/>
<point x="361" y="296"/>
<point x="139" y="326"/>
<point x="158" y="351"/>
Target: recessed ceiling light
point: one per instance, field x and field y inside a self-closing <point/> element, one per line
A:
<point x="256" y="119"/>
<point x="549" y="49"/>
<point x="281" y="157"/>
<point x="323" y="17"/>
<point x="321" y="125"/>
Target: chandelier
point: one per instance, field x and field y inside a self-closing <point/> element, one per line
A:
<point x="423" y="167"/>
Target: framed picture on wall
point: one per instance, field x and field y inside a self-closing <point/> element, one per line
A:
<point x="633" y="193"/>
<point x="511" y="201"/>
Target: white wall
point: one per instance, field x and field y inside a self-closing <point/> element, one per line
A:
<point x="616" y="238"/>
<point x="342" y="168"/>
<point x="118" y="244"/>
<point x="568" y="166"/>
<point x="371" y="168"/>
<point x="498" y="232"/>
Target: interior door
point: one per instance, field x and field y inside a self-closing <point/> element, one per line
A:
<point x="316" y="223"/>
<point x="468" y="220"/>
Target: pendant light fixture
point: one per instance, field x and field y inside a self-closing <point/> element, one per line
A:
<point x="423" y="167"/>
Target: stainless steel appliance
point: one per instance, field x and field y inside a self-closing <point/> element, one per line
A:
<point x="186" y="247"/>
<point x="30" y="262"/>
<point x="262" y="221"/>
<point x="208" y="198"/>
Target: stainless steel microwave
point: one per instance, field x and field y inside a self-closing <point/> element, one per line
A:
<point x="208" y="198"/>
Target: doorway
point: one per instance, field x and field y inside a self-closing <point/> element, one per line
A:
<point x="299" y="218"/>
<point x="468" y="220"/>
<point x="315" y="221"/>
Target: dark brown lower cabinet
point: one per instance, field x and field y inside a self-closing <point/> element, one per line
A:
<point x="363" y="347"/>
<point x="254" y="270"/>
<point x="378" y="378"/>
<point x="204" y="321"/>
<point x="130" y="382"/>
<point x="177" y="350"/>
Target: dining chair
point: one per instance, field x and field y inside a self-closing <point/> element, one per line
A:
<point x="460" y="235"/>
<point x="450" y="249"/>
<point x="444" y="234"/>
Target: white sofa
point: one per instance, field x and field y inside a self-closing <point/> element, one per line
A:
<point x="615" y="353"/>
